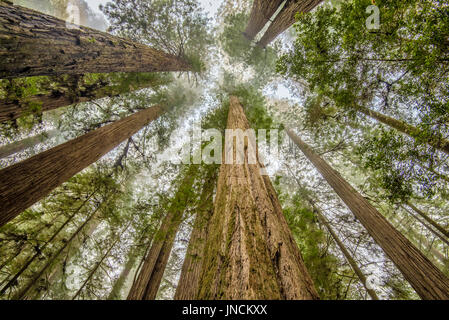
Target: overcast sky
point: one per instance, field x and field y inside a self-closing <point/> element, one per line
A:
<point x="210" y="6"/>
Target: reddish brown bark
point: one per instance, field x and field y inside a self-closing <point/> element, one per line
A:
<point x="34" y="44"/>
<point x="71" y="93"/>
<point x="261" y="13"/>
<point x="427" y="280"/>
<point x="187" y="288"/>
<point x="25" y="183"/>
<point x="250" y="251"/>
<point x="286" y="18"/>
<point x="149" y="279"/>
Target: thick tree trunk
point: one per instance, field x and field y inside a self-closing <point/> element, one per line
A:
<point x="250" y="251"/>
<point x="150" y="276"/>
<point x="187" y="288"/>
<point x="286" y="18"/>
<point x="429" y="220"/>
<point x="25" y="183"/>
<point x="18" y="146"/>
<point x="428" y="281"/>
<point x="261" y="13"/>
<point x="440" y="144"/>
<point x="421" y="242"/>
<point x="71" y="94"/>
<point x="35" y="44"/>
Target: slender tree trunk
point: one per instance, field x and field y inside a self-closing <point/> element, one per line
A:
<point x="431" y="221"/>
<point x="187" y="288"/>
<point x="25" y="183"/>
<point x="429" y="228"/>
<point x="339" y="243"/>
<point x="427" y="280"/>
<point x="286" y="18"/>
<point x="18" y="146"/>
<point x="35" y="44"/>
<point x="250" y="251"/>
<point x="261" y="13"/>
<point x="99" y="263"/>
<point x="57" y="269"/>
<point x="118" y="285"/>
<point x="440" y="144"/>
<point x="22" y="293"/>
<point x="147" y="284"/>
<point x="41" y="249"/>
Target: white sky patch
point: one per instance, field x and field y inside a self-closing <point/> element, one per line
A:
<point x="210" y="6"/>
<point x="94" y="5"/>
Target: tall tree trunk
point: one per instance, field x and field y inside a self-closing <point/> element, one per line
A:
<point x="339" y="243"/>
<point x="68" y="95"/>
<point x="41" y="248"/>
<point x="440" y="144"/>
<point x="187" y="288"/>
<point x="57" y="265"/>
<point x="250" y="251"/>
<point x="99" y="263"/>
<point x="119" y="283"/>
<point x="261" y="13"/>
<point x="421" y="242"/>
<point x="346" y="253"/>
<point x="150" y="276"/>
<point x="286" y="18"/>
<point x="35" y="44"/>
<point x="431" y="221"/>
<point x="427" y="280"/>
<point x="18" y="146"/>
<point x="25" y="183"/>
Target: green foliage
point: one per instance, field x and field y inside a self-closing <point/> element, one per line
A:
<point x="174" y="26"/>
<point x="241" y="50"/>
<point x="311" y="241"/>
<point x="392" y="158"/>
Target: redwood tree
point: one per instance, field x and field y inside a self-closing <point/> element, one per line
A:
<point x="250" y="251"/>
<point x="37" y="44"/>
<point x="286" y="18"/>
<point x="26" y="182"/>
<point x="147" y="283"/>
<point x="427" y="280"/>
<point x="261" y="13"/>
<point x="191" y="269"/>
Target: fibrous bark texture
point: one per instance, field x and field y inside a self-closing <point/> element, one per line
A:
<point x="35" y="44"/>
<point x="261" y="13"/>
<point x="149" y="279"/>
<point x="250" y="251"/>
<point x="26" y="182"/>
<point x="187" y="288"/>
<point x="427" y="280"/>
<point x="286" y="18"/>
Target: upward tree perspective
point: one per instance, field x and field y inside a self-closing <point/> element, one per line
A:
<point x="224" y="150"/>
<point x="49" y="46"/>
